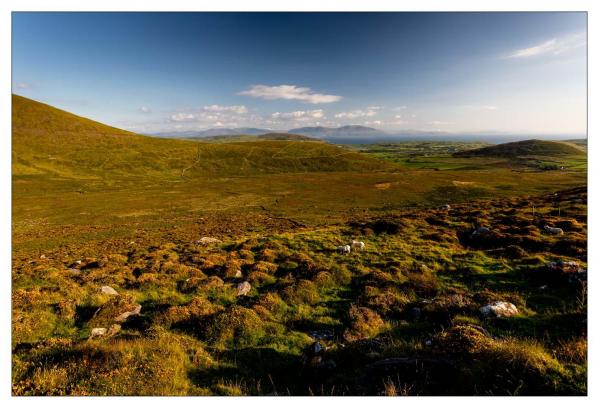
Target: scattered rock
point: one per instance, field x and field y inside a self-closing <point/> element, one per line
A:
<point x="480" y="231"/>
<point x="499" y="309"/>
<point x="118" y="309"/>
<point x="125" y="315"/>
<point x="445" y="207"/>
<point x="314" y="356"/>
<point x="243" y="288"/>
<point x="107" y="290"/>
<point x="42" y="256"/>
<point x="98" y="332"/>
<point x="104" y="332"/>
<point x="321" y="334"/>
<point x="238" y="274"/>
<point x="207" y="240"/>
<point x="554" y="231"/>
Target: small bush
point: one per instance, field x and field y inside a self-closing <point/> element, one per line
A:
<point x="363" y="323"/>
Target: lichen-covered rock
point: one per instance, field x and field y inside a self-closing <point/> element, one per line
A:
<point x="118" y="309"/>
<point x="98" y="332"/>
<point x="243" y="288"/>
<point x="499" y="309"/>
<point x="104" y="332"/>
<point x="107" y="290"/>
<point x="208" y="240"/>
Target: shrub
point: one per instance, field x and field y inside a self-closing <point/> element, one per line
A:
<point x="304" y="291"/>
<point x="236" y="327"/>
<point x="363" y="323"/>
<point x="189" y="314"/>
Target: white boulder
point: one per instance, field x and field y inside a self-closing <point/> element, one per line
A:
<point x="499" y="309"/>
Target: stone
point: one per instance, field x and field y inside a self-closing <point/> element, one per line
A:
<point x="107" y="290"/>
<point x="499" y="309"/>
<point x="98" y="332"/>
<point x="243" y="288"/>
<point x="480" y="231"/>
<point x="104" y="332"/>
<point x="125" y="315"/>
<point x="207" y="240"/>
<point x="238" y="273"/>
<point x="116" y="310"/>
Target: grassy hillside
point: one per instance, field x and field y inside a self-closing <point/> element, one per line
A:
<point x="51" y="142"/>
<point x="523" y="148"/>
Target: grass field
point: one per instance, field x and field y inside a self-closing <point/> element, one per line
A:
<point x="401" y="317"/>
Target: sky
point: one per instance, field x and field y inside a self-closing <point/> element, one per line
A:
<point x="512" y="73"/>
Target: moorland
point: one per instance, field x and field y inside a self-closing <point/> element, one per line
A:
<point x="212" y="265"/>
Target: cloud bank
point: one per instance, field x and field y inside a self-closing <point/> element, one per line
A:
<point x="289" y="92"/>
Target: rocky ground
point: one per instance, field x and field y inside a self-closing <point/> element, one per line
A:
<point x="477" y="298"/>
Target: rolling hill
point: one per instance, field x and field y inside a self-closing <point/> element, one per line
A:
<point x="53" y="143"/>
<point x="523" y="148"/>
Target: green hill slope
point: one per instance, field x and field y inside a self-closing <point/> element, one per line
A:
<point x="523" y="148"/>
<point x="53" y="143"/>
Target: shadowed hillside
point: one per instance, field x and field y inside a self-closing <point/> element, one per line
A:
<point x="523" y="148"/>
<point x="51" y="142"/>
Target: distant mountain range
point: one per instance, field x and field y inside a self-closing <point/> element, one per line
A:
<point x="319" y="132"/>
<point x="345" y="132"/>
<point x="355" y="134"/>
<point x="213" y="132"/>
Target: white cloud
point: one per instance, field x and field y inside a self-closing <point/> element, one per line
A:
<point x="440" y="123"/>
<point x="299" y="115"/>
<point x="238" y="109"/>
<point x="145" y="109"/>
<point x="373" y="123"/>
<point x="213" y="115"/>
<point x="368" y="112"/>
<point x="554" y="46"/>
<point x="182" y="117"/>
<point x="289" y="92"/>
<point x="402" y="107"/>
<point x="23" y="85"/>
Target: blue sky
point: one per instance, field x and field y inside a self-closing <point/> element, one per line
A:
<point x="455" y="72"/>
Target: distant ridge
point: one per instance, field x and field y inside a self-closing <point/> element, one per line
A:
<point x="250" y="138"/>
<point x="212" y="132"/>
<point x="523" y="148"/>
<point x="345" y="132"/>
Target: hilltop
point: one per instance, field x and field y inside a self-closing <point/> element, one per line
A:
<point x="523" y="148"/>
<point x="51" y="142"/>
